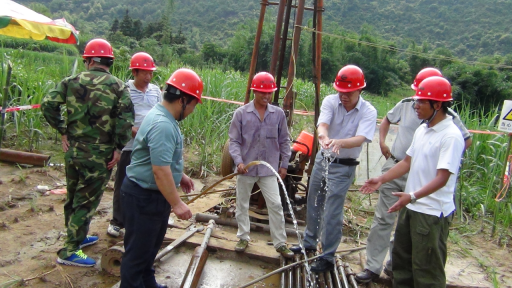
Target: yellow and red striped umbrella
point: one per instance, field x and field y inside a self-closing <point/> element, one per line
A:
<point x="18" y="21"/>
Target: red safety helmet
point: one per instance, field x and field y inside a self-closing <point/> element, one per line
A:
<point x="187" y="81"/>
<point x="263" y="82"/>
<point x="434" y="88"/>
<point x="350" y="78"/>
<point x="142" y="61"/>
<point x="98" y="48"/>
<point x="424" y="74"/>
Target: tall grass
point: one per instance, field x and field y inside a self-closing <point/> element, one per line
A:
<point x="481" y="175"/>
<point x="33" y="75"/>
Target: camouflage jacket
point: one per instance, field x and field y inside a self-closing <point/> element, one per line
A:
<point x="99" y="109"/>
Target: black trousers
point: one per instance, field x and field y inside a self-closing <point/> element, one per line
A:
<point x="117" y="213"/>
<point x="145" y="220"/>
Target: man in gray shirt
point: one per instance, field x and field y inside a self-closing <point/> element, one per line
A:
<point x="144" y="96"/>
<point x="259" y="131"/>
<point x="383" y="222"/>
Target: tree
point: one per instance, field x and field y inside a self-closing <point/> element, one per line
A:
<point x="115" y="26"/>
<point x="212" y="53"/>
<point x="127" y="25"/>
<point x="138" y="28"/>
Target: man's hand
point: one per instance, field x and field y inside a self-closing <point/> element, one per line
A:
<point x="187" y="185"/>
<point x="370" y="186"/>
<point x="65" y="143"/>
<point x="115" y="159"/>
<point x="336" y="145"/>
<point x="182" y="211"/>
<point x="241" y="168"/>
<point x="282" y="172"/>
<point x="324" y="141"/>
<point x="403" y="199"/>
<point x="134" y="131"/>
<point x="384" y="149"/>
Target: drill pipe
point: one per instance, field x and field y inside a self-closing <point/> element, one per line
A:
<point x="290" y="276"/>
<point x="283" y="274"/>
<point x="350" y="274"/>
<point x="341" y="270"/>
<point x="196" y="265"/>
<point x="297" y="272"/>
<point x="337" y="278"/>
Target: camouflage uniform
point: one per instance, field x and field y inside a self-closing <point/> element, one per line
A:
<point x="99" y="119"/>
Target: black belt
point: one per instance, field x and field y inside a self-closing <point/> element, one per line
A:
<point x="345" y="161"/>
<point x="393" y="158"/>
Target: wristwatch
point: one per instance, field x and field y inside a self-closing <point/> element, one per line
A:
<point x="413" y="198"/>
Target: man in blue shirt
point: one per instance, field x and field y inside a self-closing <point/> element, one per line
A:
<point x="150" y="187"/>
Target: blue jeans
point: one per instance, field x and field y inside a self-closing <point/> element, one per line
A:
<point x="145" y="214"/>
<point x="326" y="208"/>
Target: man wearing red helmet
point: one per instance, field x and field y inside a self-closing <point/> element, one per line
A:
<point x="346" y="121"/>
<point x="259" y="131"/>
<point x="97" y="126"/>
<point x="144" y="96"/>
<point x="383" y="222"/>
<point x="149" y="189"/>
<point x="432" y="161"/>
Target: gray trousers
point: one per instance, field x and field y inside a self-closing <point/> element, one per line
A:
<point x="378" y="241"/>
<point x="270" y="191"/>
<point x="325" y="209"/>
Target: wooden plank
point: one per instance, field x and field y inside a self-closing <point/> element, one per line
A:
<point x="256" y="250"/>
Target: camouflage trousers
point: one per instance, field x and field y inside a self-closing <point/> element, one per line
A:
<point x="86" y="177"/>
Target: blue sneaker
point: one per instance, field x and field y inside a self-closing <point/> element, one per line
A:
<point x="89" y="240"/>
<point x="77" y="259"/>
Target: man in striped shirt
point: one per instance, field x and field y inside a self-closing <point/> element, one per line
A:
<point x="144" y="96"/>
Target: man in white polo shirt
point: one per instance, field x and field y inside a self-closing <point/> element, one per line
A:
<point x="346" y="121"/>
<point x="383" y="223"/>
<point x="144" y="96"/>
<point x="432" y="160"/>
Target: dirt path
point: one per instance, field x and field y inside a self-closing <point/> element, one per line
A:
<point x="32" y="230"/>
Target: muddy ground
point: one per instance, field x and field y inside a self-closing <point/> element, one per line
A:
<point x="32" y="230"/>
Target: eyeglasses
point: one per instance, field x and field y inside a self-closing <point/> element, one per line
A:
<point x="420" y="102"/>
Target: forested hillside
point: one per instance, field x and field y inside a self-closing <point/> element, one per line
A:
<point x="469" y="28"/>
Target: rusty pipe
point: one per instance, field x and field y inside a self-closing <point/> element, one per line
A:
<point x="277" y="37"/>
<point x="289" y="96"/>
<point x="196" y="265"/>
<point x="282" y="51"/>
<point x="13" y="156"/>
<point x="255" y="49"/>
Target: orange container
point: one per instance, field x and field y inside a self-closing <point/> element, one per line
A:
<point x="306" y="138"/>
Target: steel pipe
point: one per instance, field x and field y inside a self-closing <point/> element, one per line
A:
<point x="233" y="223"/>
<point x="341" y="270"/>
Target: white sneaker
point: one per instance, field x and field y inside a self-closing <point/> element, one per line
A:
<point x="113" y="230"/>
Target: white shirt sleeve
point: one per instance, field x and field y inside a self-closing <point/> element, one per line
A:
<point x="451" y="153"/>
<point x="326" y="111"/>
<point x="367" y="124"/>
